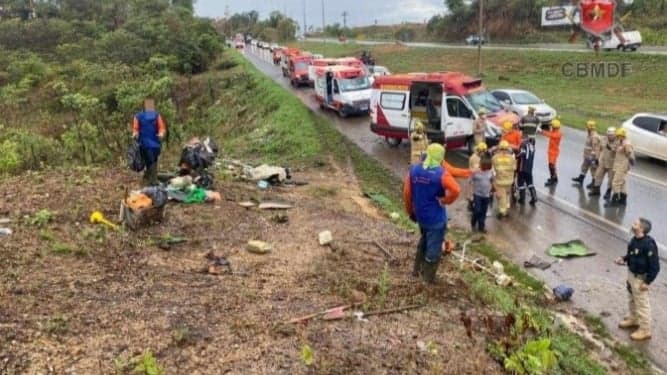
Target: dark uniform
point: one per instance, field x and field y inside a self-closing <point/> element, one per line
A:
<point x="526" y="158"/>
<point x="643" y="267"/>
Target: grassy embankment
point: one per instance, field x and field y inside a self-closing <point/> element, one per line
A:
<point x="525" y="299"/>
<point x="608" y="100"/>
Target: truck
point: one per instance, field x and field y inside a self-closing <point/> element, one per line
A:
<point x="285" y="56"/>
<point x="446" y="102"/>
<point x="344" y="89"/>
<point x="298" y="69"/>
<point x="239" y="41"/>
<point x="616" y="40"/>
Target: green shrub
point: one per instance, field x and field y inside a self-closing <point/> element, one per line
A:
<point x="9" y="157"/>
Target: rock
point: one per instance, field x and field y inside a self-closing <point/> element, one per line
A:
<point x="258" y="247"/>
<point x="358" y="297"/>
<point x="325" y="238"/>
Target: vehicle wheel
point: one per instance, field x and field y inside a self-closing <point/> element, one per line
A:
<point x="633" y="49"/>
<point x="393" y="142"/>
<point x="342" y="113"/>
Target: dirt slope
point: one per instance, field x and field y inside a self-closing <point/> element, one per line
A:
<point x="80" y="299"/>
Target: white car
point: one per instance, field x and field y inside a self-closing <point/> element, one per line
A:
<point x="648" y="134"/>
<point x="518" y="101"/>
<point x="376" y="71"/>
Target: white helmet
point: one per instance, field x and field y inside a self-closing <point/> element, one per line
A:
<point x="611" y="130"/>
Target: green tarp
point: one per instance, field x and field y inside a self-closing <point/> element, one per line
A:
<point x="574" y="248"/>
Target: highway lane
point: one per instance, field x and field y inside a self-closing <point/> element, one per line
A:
<point x="547" y="47"/>
<point x="562" y="214"/>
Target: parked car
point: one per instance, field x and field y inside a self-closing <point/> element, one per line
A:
<point x="518" y="101"/>
<point x="473" y="40"/>
<point x="377" y="71"/>
<point x="648" y="133"/>
<point x="631" y="41"/>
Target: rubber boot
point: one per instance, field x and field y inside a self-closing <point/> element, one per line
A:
<point x="607" y="194"/>
<point x="614" y="200"/>
<point x="522" y="197"/>
<point x="429" y="271"/>
<point x="579" y="180"/>
<point x="594" y="192"/>
<point x="550" y="182"/>
<point x="533" y="196"/>
<point x="623" y="200"/>
<point x="589" y="186"/>
<point x="419" y="264"/>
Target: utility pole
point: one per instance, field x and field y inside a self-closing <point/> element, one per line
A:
<point x="479" y="38"/>
<point x="305" y="25"/>
<point x="323" y="23"/>
<point x="345" y="14"/>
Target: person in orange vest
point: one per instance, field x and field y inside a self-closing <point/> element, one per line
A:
<point x="555" y="137"/>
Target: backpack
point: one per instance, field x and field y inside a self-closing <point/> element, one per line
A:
<point x="135" y="160"/>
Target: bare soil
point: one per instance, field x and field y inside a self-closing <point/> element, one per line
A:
<point x="78" y="298"/>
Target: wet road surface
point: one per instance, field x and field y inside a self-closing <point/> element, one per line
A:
<point x="563" y="213"/>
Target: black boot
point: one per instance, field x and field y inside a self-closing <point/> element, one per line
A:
<point x="522" y="197"/>
<point x="418" y="268"/>
<point x="589" y="186"/>
<point x="580" y="179"/>
<point x="470" y="205"/>
<point x="551" y="182"/>
<point x="615" y="198"/>
<point x="607" y="194"/>
<point x="595" y="191"/>
<point x="429" y="271"/>
<point x="623" y="200"/>
<point x="533" y="196"/>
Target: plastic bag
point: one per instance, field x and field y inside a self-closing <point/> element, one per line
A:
<point x="135" y="160"/>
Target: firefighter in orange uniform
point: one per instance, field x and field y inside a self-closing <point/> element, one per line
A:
<point x="555" y="137"/>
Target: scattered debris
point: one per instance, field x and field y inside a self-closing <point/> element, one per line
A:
<point x="358" y="297"/>
<point x="5" y="220"/>
<point x="391" y="311"/>
<point x="263" y="185"/>
<point x="308" y="317"/>
<point x="247" y="204"/>
<point x="325" y="238"/>
<point x="167" y="241"/>
<point x="258" y="247"/>
<point x="98" y="218"/>
<point x="563" y="292"/>
<point x="536" y="262"/>
<point x="218" y="265"/>
<point x="395" y="216"/>
<point x="275" y="206"/>
<point x="570" y="249"/>
<point x="280" y="218"/>
<point x="5" y="232"/>
<point x="267" y="173"/>
<point x="338" y="313"/>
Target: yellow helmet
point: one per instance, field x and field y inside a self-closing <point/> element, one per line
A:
<point x="419" y="125"/>
<point x="481" y="147"/>
<point x="531" y="109"/>
<point x="482" y="111"/>
<point x="504" y="145"/>
<point x="591" y="125"/>
<point x="555" y="124"/>
<point x="507" y="126"/>
<point x="621" y="132"/>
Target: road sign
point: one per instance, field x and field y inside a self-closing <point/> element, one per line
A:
<point x="597" y="16"/>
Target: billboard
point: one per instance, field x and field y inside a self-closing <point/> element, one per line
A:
<point x="560" y="15"/>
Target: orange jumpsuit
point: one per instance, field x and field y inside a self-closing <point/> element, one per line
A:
<point x="554" y="144"/>
<point x="456" y="172"/>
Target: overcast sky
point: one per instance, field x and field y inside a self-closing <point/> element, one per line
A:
<point x="361" y="12"/>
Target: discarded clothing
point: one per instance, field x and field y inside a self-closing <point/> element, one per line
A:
<point x="269" y="173"/>
<point x="536" y="262"/>
<point x="158" y="195"/>
<point x="563" y="292"/>
<point x="574" y="248"/>
<point x="196" y="195"/>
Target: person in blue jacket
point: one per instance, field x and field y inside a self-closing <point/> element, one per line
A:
<point x="427" y="188"/>
<point x="148" y="128"/>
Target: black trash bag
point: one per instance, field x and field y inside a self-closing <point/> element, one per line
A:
<point x="135" y="160"/>
<point x="199" y="156"/>
<point x="157" y="194"/>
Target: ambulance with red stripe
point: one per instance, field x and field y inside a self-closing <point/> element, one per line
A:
<point x="347" y="61"/>
<point x="345" y="89"/>
<point x="446" y="102"/>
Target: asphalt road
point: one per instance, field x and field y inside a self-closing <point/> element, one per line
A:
<point x="564" y="47"/>
<point x="563" y="213"/>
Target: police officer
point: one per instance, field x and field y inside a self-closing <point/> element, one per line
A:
<point x="427" y="188"/>
<point x="643" y="267"/>
<point x="591" y="154"/>
<point x="529" y="123"/>
<point x="479" y="127"/>
<point x="504" y="166"/>
<point x="605" y="164"/>
<point x="624" y="157"/>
